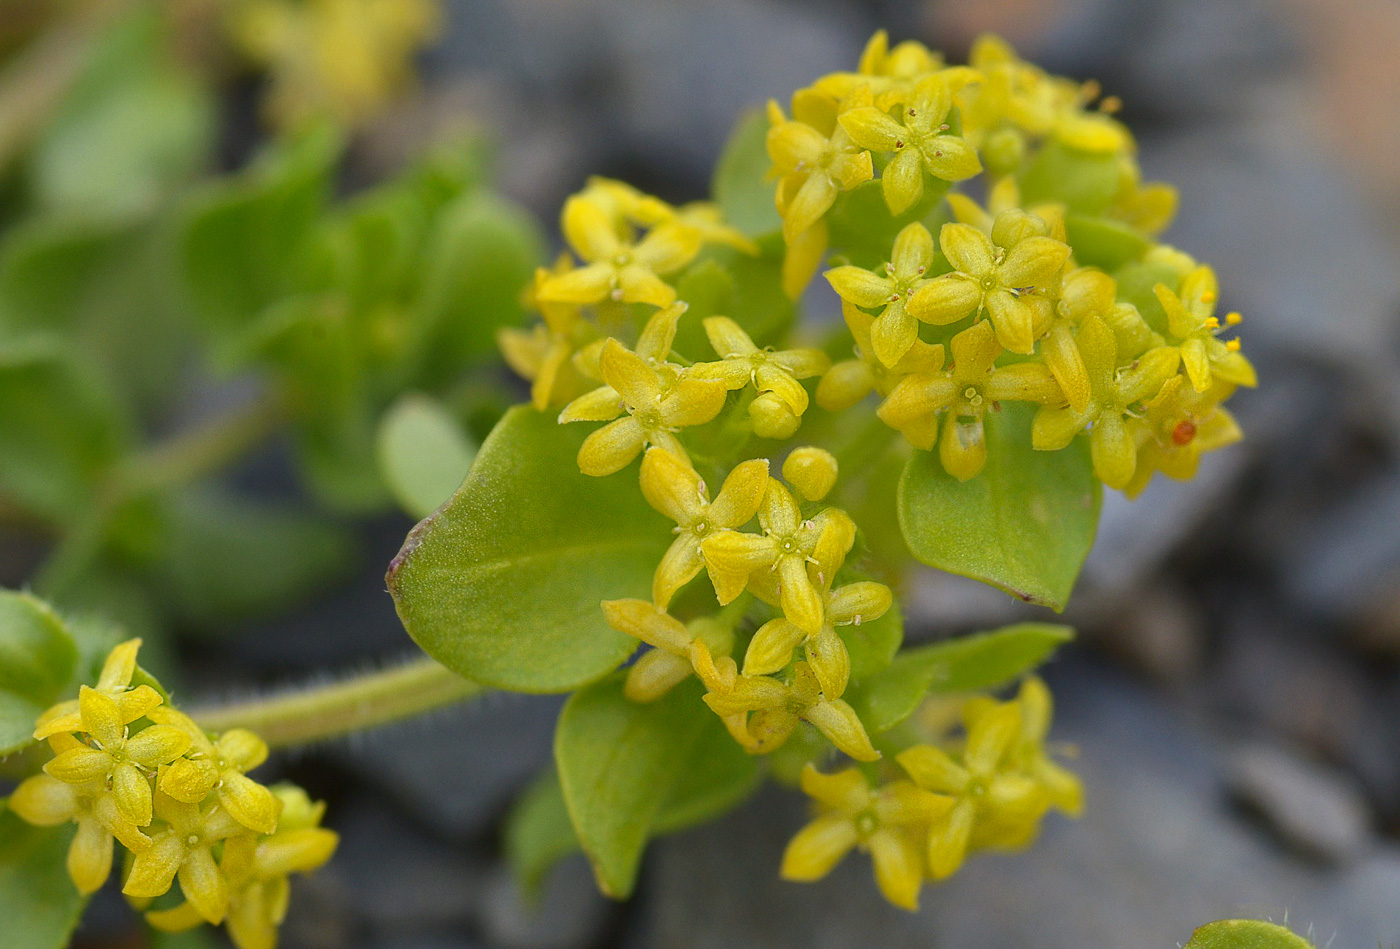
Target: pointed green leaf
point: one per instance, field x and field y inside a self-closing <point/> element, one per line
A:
<point x="966" y="664"/>
<point x="1025" y="524"/>
<point x="503" y="583"/>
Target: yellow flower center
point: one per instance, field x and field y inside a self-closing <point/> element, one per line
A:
<point x="866" y="824"/>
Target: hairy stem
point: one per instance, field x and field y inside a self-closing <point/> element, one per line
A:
<point x="350" y="705"/>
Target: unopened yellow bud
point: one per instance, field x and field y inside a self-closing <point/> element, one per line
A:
<point x="772" y="417"/>
<point x="811" y="470"/>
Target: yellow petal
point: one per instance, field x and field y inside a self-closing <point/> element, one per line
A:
<point x="297" y="851"/>
<point x="809" y="205"/>
<point x="818" y="847"/>
<point x="846" y="790"/>
<point x="962" y="449"/>
<point x="188" y="780"/>
<point x="830" y="662"/>
<point x="913" y="251"/>
<point x="603" y="404"/>
<point x="585" y="285"/>
<point x="899" y="869"/>
<point x="679" y="565"/>
<point x="590" y="230"/>
<point x="732" y="556"/>
<point x="692" y="402"/>
<point x="668" y="248"/>
<point x="119" y="666"/>
<point x="871" y="128"/>
<point x="44" y="801"/>
<point x="945" y="299"/>
<point x="1023" y="382"/>
<point x="157" y="745"/>
<point x="845" y="384"/>
<point x="248" y="802"/>
<point x="90" y="856"/>
<point x="860" y="602"/>
<point x="803" y="256"/>
<point x="933" y="769"/>
<point x="950" y="158"/>
<point x="102" y="718"/>
<point x="154" y="868"/>
<point x="638" y="284"/>
<point x="203" y="885"/>
<point x="1013" y="319"/>
<point x="177" y="920"/>
<point x="672" y="487"/>
<point x="902" y="181"/>
<point x="893" y="333"/>
<point x="242" y="748"/>
<point x="1032" y="262"/>
<point x="1197" y="363"/>
<point x="653" y="675"/>
<point x="769" y="378"/>
<point x="741" y="495"/>
<point x="967" y="249"/>
<point x="839" y="723"/>
<point x="611" y="448"/>
<point x="651" y="625"/>
<point x="811" y="470"/>
<point x="132" y="792"/>
<point x="728" y="337"/>
<point x="659" y="333"/>
<point x="1112" y="450"/>
<point x="859" y="286"/>
<point x="947" y="841"/>
<point x="1063" y="359"/>
<point x="771" y="647"/>
<point x="990" y="736"/>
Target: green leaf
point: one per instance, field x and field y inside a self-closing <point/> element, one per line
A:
<point x="966" y="664"/>
<point x="136" y="126"/>
<point x="1245" y="934"/>
<point x="539" y="831"/>
<point x="61" y="430"/>
<point x="862" y="228"/>
<point x="1105" y="243"/>
<point x="423" y="453"/>
<point x="503" y="583"/>
<point x="747" y="289"/>
<point x="1025" y="524"/>
<point x="38" y="903"/>
<point x="483" y="252"/>
<point x="245" y="237"/>
<point x="224" y="558"/>
<point x="740" y="184"/>
<point x="630" y="770"/>
<point x="1084" y="181"/>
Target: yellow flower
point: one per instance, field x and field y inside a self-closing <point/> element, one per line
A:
<point x="1001" y="274"/>
<point x="919" y="141"/>
<point x="889" y="822"/>
<point x="256" y="870"/>
<point x="618" y="267"/>
<point x="1003" y="196"/>
<point x="1064" y="789"/>
<point x="668" y="662"/>
<point x="1193" y="326"/>
<point x="1116" y="397"/>
<point x="114" y="681"/>
<point x="542" y="353"/>
<point x="1082" y="292"/>
<point x="219" y="766"/>
<point x="849" y="381"/>
<point x="813" y="168"/>
<point x="658" y="399"/>
<point x="784" y="546"/>
<point x="988" y="790"/>
<point x="777" y="411"/>
<point x="894" y="331"/>
<point x="184" y="847"/>
<point x="1181" y="425"/>
<point x="811" y="471"/>
<point x="964" y="391"/>
<point x="345" y="58"/>
<point x="704" y="218"/>
<point x="1147" y="207"/>
<point x="116" y="759"/>
<point x="47" y="802"/>
<point x="672" y="487"/>
<point x="761" y="712"/>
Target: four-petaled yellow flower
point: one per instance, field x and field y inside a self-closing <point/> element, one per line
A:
<point x="761" y="712"/>
<point x="1115" y="403"/>
<point x="45" y="801"/>
<point x="672" y="487"/>
<point x="116" y="759"/>
<point x="1192" y="323"/>
<point x="784" y="547"/>
<point x="669" y="659"/>
<point x="184" y="848"/>
<point x="114" y="681"/>
<point x="920" y="142"/>
<point x="777" y="412"/>
<point x="618" y="267"/>
<point x="1001" y="274"/>
<point x="218" y="766"/>
<point x="964" y="391"/>
<point x="657" y="398"/>
<point x="813" y="168"/>
<point x="895" y="330"/>
<point x="890" y="822"/>
<point x="1181" y="425"/>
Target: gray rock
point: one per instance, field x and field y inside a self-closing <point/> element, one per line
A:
<point x="457" y="769"/>
<point x="1316" y="809"/>
<point x="1354" y="556"/>
<point x="569" y="914"/>
<point x="1160" y="632"/>
<point x="1157" y="853"/>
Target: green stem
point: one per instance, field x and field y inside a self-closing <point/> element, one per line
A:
<point x="340" y="708"/>
<point x="199" y="452"/>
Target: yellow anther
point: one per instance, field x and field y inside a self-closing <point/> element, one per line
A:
<point x="1110" y="105"/>
<point x="1233" y="345"/>
<point x="1234" y="318"/>
<point x="1212" y="323"/>
<point x="1208" y="297"/>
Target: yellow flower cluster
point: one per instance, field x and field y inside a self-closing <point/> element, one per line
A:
<point x="129" y="767"/>
<point x="1062" y="336"/>
<point x="342" y="59"/>
<point x="990" y="794"/>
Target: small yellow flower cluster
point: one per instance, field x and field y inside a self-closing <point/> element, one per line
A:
<point x="1010" y="313"/>
<point x="129" y="767"/>
<point x="627" y="243"/>
<point x="990" y="794"/>
<point x="343" y="59"/>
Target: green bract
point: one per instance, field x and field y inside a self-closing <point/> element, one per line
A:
<point x="1245" y="934"/>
